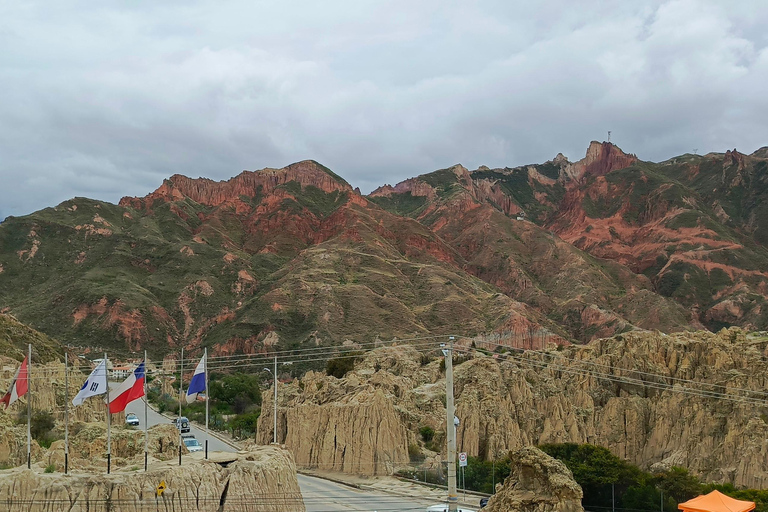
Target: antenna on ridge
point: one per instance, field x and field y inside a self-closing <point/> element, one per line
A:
<point x="695" y="151"/>
<point x="609" y="135"/>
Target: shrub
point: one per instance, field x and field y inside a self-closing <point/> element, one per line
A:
<point x="414" y="453"/>
<point x="42" y="423"/>
<point x="339" y="366"/>
<point x="50" y="468"/>
<point x="244" y="425"/>
<point x="427" y="433"/>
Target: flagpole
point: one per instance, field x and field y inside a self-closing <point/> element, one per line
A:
<point x="146" y="418"/>
<point x="109" y="417"/>
<point x="178" y="424"/>
<point x="29" y="406"/>
<point x="207" y="435"/>
<point x="66" y="412"/>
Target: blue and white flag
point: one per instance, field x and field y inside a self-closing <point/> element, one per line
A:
<point x="197" y="384"/>
<point x="96" y="384"/>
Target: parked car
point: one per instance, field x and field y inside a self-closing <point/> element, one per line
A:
<point x="483" y="502"/>
<point x="182" y="424"/>
<point x="192" y="444"/>
<point x="443" y="507"/>
<point x="132" y="420"/>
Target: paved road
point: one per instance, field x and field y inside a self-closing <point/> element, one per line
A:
<point x="319" y="495"/>
<point x="325" y="496"/>
<point x="155" y="418"/>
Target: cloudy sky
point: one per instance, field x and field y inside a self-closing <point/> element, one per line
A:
<point x="105" y="101"/>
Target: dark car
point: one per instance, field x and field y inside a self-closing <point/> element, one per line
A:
<point x="182" y="424"/>
<point x="483" y="502"/>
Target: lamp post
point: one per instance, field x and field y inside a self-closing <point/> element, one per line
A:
<point x="274" y="413"/>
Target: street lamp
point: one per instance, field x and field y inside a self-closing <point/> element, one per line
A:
<point x="274" y="425"/>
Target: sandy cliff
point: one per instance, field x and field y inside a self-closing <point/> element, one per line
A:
<point x="650" y="398"/>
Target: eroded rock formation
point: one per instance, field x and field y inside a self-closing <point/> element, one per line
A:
<point x="650" y="398"/>
<point x="537" y="483"/>
<point x="261" y="480"/>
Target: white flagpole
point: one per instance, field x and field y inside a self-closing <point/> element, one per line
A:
<point x="29" y="406"/>
<point x="178" y="424"/>
<point x="146" y="418"/>
<point x="205" y="355"/>
<point x="66" y="412"/>
<point x="109" y="417"/>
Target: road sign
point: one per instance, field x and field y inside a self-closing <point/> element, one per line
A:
<point x="161" y="488"/>
<point x="462" y="459"/>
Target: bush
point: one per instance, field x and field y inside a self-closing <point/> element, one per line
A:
<point x="244" y="425"/>
<point x="427" y="433"/>
<point x="50" y="468"/>
<point x="414" y="453"/>
<point x="42" y="423"/>
<point x="339" y="366"/>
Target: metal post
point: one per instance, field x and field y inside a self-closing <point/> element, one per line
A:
<point x="29" y="406"/>
<point x="207" y="395"/>
<point x="613" y="497"/>
<point x="450" y="429"/>
<point x="66" y="412"/>
<point x="178" y="423"/>
<point x="109" y="417"/>
<point x="146" y="417"/>
<point x="274" y="426"/>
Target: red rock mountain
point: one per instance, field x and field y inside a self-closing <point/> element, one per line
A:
<point x="554" y="252"/>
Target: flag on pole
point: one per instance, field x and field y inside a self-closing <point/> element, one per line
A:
<point x="19" y="385"/>
<point x="131" y="389"/>
<point x="197" y="384"/>
<point x="95" y="384"/>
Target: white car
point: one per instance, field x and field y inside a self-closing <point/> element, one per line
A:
<point x="192" y="444"/>
<point x="443" y="507"/>
<point x="132" y="420"/>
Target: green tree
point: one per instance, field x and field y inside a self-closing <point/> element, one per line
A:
<point x="244" y="425"/>
<point x="481" y="475"/>
<point x="597" y="471"/>
<point x="239" y="390"/>
<point x="677" y="483"/>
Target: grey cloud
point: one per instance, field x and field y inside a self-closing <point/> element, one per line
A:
<point x="107" y="101"/>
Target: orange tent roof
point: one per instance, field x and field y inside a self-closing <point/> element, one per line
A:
<point x="716" y="502"/>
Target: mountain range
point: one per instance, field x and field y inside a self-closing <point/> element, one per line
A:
<point x="560" y="252"/>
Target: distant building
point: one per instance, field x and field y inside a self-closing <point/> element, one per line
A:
<point x="121" y="372"/>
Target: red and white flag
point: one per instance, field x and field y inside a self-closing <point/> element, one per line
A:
<point x="130" y="389"/>
<point x="19" y="386"/>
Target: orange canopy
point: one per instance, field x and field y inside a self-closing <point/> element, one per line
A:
<point x="716" y="502"/>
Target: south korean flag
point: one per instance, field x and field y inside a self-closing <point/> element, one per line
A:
<point x="96" y="384"/>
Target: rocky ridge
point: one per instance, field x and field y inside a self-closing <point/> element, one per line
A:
<point x="560" y="252"/>
<point x="638" y="394"/>
<point x="683" y="229"/>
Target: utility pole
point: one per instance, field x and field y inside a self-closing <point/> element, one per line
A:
<point x="178" y="423"/>
<point x="450" y="427"/>
<point x="274" y="427"/>
<point x="274" y="401"/>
